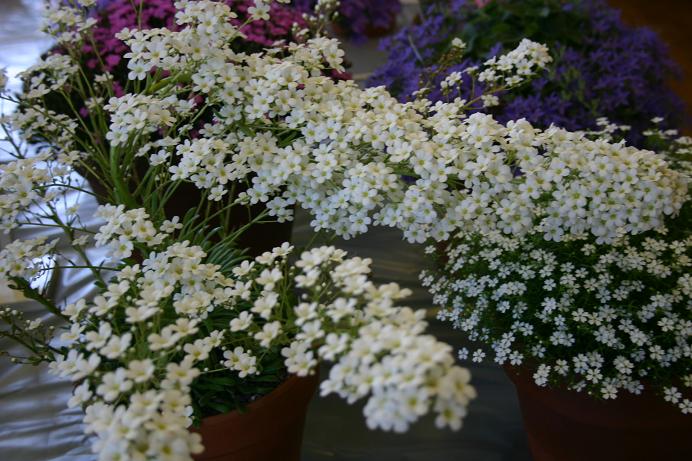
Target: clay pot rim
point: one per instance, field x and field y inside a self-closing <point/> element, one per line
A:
<point x="272" y="422"/>
<point x="525" y="373"/>
<point x="590" y="409"/>
<point x="266" y="400"/>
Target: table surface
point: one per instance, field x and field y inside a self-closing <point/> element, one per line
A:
<point x="35" y="425"/>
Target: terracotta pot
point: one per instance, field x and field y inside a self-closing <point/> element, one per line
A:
<point x="379" y="32"/>
<point x="564" y="425"/>
<point x="672" y="20"/>
<point x="270" y="429"/>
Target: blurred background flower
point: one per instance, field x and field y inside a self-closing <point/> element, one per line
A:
<point x="602" y="67"/>
<point x="360" y="19"/>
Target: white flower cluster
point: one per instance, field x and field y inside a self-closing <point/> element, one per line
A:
<point x="26" y="259"/>
<point x="353" y="158"/>
<point x="514" y="67"/>
<point x="138" y="347"/>
<point x="26" y="183"/>
<point x="152" y="49"/>
<point x="261" y="8"/>
<point x="125" y="228"/>
<point x="141" y="114"/>
<point x="42" y="125"/>
<point x="600" y="318"/>
<point x="48" y="75"/>
<point x="676" y="148"/>
<point x="339" y="151"/>
<point x="482" y="177"/>
<point x="35" y="333"/>
<point x="68" y="21"/>
<point x="406" y="373"/>
<point x="18" y="182"/>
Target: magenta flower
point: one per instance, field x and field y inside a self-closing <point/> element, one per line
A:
<point x="115" y="15"/>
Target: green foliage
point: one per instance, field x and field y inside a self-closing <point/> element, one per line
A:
<point x="507" y="22"/>
<point x="219" y="392"/>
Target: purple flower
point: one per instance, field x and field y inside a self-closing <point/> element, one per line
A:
<point x="609" y="69"/>
<point x="360" y="17"/>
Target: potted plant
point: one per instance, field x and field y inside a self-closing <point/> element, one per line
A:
<point x="102" y="53"/>
<point x="467" y="176"/>
<point x="591" y="325"/>
<point x="186" y="334"/>
<point x="297" y="137"/>
<point x="601" y="66"/>
<point x="188" y="343"/>
<point x="438" y="173"/>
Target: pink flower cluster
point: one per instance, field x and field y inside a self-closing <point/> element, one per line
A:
<point x="115" y="15"/>
<point x="266" y="33"/>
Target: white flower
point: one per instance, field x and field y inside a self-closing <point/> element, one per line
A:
<point x="198" y="351"/>
<point x="242" y="322"/>
<point x="116" y="346"/>
<point x="609" y="391"/>
<point x="311" y="331"/>
<point x="263" y="306"/>
<point x="80" y="395"/>
<point x="140" y="371"/>
<point x="490" y="100"/>
<point x="73" y="334"/>
<point x="113" y="384"/>
<point x="268" y="278"/>
<point x="334" y="345"/>
<point x="241" y="361"/>
<point x="458" y="43"/>
<point x="672" y="395"/>
<point x="541" y="375"/>
<point x="121" y="248"/>
<point x="478" y="355"/>
<point x="84" y="367"/>
<point x="260" y="10"/>
<point x="183" y="373"/>
<point x="165" y="340"/>
<point x="449" y="414"/>
<point x="269" y="332"/>
<point x="299" y="359"/>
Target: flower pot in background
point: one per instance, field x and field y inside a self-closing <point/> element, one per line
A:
<point x="672" y="19"/>
<point x="371" y="31"/>
<point x="270" y="429"/>
<point x="374" y="32"/>
<point x="564" y="425"/>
